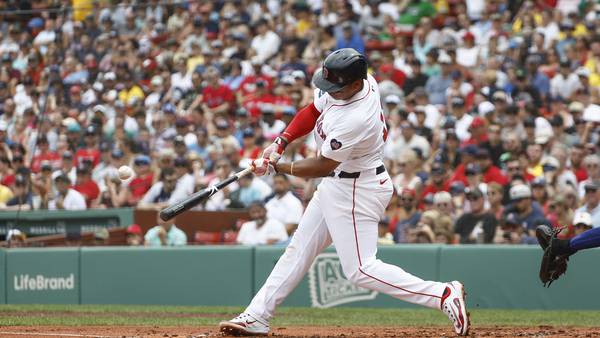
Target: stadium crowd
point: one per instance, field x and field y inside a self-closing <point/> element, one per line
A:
<point x="493" y="108"/>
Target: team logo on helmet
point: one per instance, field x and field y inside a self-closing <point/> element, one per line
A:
<point x="335" y="144"/>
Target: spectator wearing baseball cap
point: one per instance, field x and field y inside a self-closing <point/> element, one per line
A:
<point x="134" y="235"/>
<point x="528" y="212"/>
<point x="437" y="85"/>
<point x="591" y="164"/>
<point x="539" y="191"/>
<point x="90" y="150"/>
<point x="437" y="180"/>
<point x="44" y="154"/>
<point x="582" y="222"/>
<point x="592" y="201"/>
<point x="66" y="198"/>
<point x="478" y="131"/>
<point x="476" y="225"/>
<point x="459" y="114"/>
<point x="468" y="154"/>
<point x="86" y="186"/>
<point x="420" y="127"/>
<point x="491" y="173"/>
<point x="144" y="177"/>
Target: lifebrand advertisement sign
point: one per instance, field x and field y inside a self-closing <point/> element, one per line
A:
<point x="48" y="278"/>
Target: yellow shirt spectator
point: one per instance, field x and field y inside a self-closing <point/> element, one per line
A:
<point x="592" y="65"/>
<point x="135" y="91"/>
<point x="518" y="24"/>
<point x="5" y="194"/>
<point x="536" y="170"/>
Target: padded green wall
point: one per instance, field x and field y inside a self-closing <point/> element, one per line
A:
<point x="182" y="276"/>
<point x="495" y="276"/>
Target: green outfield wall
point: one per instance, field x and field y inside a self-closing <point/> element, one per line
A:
<point x="495" y="276"/>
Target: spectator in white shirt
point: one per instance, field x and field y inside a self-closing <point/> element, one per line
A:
<point x="408" y="140"/>
<point x="284" y="206"/>
<point x="468" y="55"/>
<point x="185" y="180"/>
<point x="266" y="43"/>
<point x="67" y="198"/>
<point x="219" y="201"/>
<point x="261" y="230"/>
<point x="45" y="37"/>
<point x="565" y="83"/>
<point x="463" y="120"/>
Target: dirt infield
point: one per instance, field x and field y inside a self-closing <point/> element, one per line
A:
<point x="294" y="331"/>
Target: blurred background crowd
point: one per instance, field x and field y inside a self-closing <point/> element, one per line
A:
<point x="493" y="109"/>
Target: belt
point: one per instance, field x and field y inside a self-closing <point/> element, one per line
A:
<point x="344" y="174"/>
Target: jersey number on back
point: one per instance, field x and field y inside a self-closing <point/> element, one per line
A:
<point x="385" y="131"/>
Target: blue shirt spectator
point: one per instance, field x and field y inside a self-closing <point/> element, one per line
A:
<point x="350" y="39"/>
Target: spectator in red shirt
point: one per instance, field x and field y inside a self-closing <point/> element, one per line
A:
<point x="7" y="176"/>
<point x="45" y="154"/>
<point x="491" y="173"/>
<point x="144" y="177"/>
<point x="217" y="97"/>
<point x="90" y="151"/>
<point x="250" y="150"/>
<point x="261" y="97"/>
<point x="577" y="155"/>
<point x="249" y="84"/>
<point x="478" y="132"/>
<point x="86" y="186"/>
<point x="467" y="157"/>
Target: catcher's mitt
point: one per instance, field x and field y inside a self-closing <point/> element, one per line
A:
<point x="553" y="266"/>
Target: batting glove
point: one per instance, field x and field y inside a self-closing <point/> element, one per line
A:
<point x="262" y="166"/>
<point x="273" y="152"/>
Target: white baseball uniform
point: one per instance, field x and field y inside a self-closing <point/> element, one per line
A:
<point x="346" y="211"/>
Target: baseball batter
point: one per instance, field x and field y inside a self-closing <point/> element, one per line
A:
<point x="350" y="131"/>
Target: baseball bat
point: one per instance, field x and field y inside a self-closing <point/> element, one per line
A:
<point x="200" y="196"/>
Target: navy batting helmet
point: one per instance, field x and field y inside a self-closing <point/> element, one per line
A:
<point x="340" y="68"/>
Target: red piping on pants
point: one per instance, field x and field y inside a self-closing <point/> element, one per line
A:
<point x="358" y="252"/>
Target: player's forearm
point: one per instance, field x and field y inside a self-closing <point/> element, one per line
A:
<point x="308" y="168"/>
<point x="302" y="124"/>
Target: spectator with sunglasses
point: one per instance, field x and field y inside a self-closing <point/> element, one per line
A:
<point x="409" y="215"/>
<point x="163" y="192"/>
<point x="478" y="225"/>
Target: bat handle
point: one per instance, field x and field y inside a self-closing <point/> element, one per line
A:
<point x="243" y="173"/>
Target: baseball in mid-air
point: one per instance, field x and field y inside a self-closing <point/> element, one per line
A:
<point x="125" y="172"/>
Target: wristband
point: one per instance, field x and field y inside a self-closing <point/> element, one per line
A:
<point x="280" y="141"/>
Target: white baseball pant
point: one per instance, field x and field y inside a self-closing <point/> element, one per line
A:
<point x="345" y="211"/>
